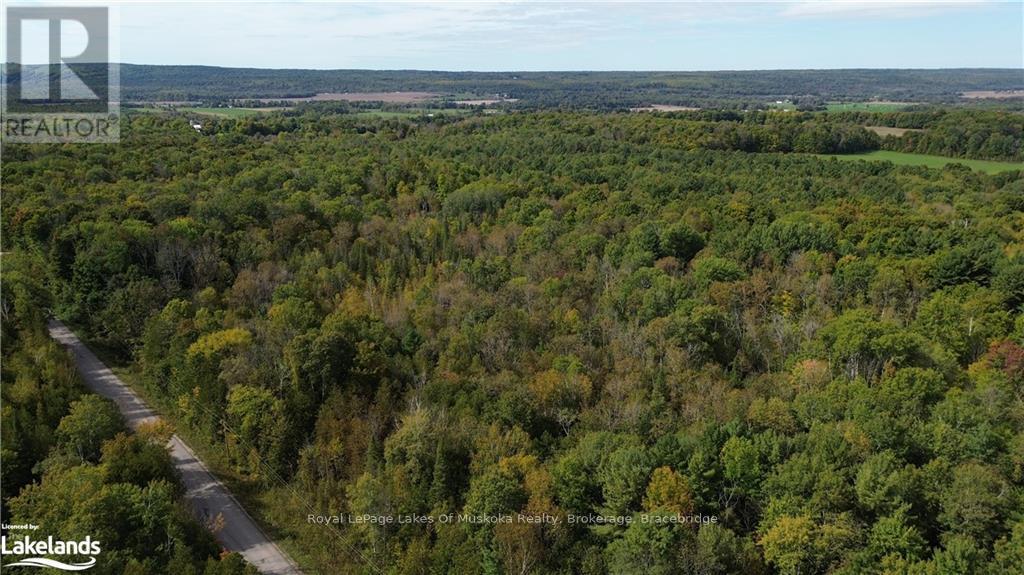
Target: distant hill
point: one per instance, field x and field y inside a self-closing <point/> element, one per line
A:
<point x="573" y="89"/>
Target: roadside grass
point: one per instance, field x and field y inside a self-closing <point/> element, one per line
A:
<point x="910" y="159"/>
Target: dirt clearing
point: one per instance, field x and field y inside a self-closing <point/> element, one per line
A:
<point x="664" y="108"/>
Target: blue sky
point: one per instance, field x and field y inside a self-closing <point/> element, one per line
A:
<point x="575" y="36"/>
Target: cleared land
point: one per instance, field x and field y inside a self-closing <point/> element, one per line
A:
<point x="387" y="97"/>
<point x="664" y="108"/>
<point x="165" y="103"/>
<point x="411" y="113"/>
<point x="485" y="101"/>
<point x="879" y="106"/>
<point x="907" y="159"/>
<point x="250" y="112"/>
<point x="220" y="112"/>
<point x="887" y="131"/>
<point x="993" y="94"/>
<point x="230" y="112"/>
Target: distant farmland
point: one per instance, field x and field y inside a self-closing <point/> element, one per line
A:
<point x="230" y="112"/>
<point x="866" y="106"/>
<point x="664" y="108"/>
<point x="993" y="94"/>
<point x="598" y="90"/>
<point x="386" y="97"/>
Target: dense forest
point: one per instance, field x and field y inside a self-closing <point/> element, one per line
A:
<point x="70" y="465"/>
<point x="817" y="364"/>
<point x="596" y="90"/>
<point x="944" y="132"/>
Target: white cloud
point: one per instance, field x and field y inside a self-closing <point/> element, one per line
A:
<point x="878" y="9"/>
<point x="487" y="34"/>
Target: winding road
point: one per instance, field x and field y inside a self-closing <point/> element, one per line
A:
<point x="205" y="493"/>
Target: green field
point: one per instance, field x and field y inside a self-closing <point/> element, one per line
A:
<point x="225" y="112"/>
<point x="411" y="113"/>
<point x="865" y="106"/>
<point x="220" y="112"/>
<point x="907" y="159"/>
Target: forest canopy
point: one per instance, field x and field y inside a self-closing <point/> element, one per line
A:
<point x="555" y="313"/>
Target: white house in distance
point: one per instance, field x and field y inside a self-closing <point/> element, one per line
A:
<point x="196" y="126"/>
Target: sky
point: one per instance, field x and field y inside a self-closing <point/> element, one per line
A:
<point x="531" y="36"/>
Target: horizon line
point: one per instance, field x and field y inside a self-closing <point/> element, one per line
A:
<point x="557" y="71"/>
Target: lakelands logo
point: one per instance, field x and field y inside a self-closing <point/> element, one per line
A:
<point x="25" y="545"/>
<point x="60" y="84"/>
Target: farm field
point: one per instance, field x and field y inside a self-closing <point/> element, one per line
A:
<point x="208" y="111"/>
<point x="866" y="106"/>
<point x="410" y="113"/>
<point x="250" y="112"/>
<point x="664" y="108"/>
<point x="397" y="97"/>
<point x="908" y="159"/>
<point x="993" y="94"/>
<point x="229" y="112"/>
<point x="485" y="101"/>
